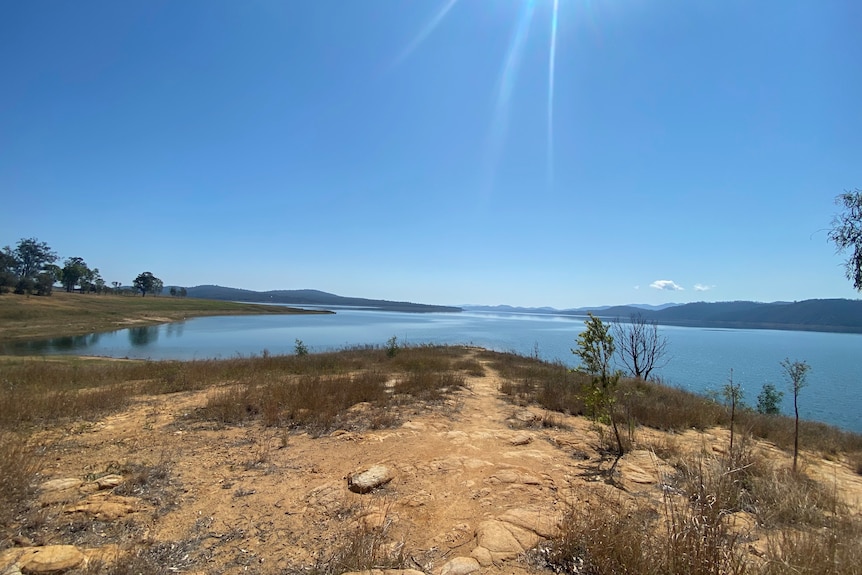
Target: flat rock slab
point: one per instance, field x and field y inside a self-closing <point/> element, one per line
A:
<point x="47" y="559"/>
<point x="542" y="522"/>
<point x="61" y="484"/>
<point x="498" y="543"/>
<point x="370" y="479"/>
<point x="106" y="509"/>
<point x="460" y="566"/>
<point x="385" y="572"/>
<point x="513" y="476"/>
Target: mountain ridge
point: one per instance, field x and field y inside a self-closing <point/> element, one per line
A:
<point x="828" y="315"/>
<point x="311" y="297"/>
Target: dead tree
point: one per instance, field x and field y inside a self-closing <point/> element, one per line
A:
<point x="639" y="346"/>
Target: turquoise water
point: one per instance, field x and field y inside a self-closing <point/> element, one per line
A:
<point x="700" y="359"/>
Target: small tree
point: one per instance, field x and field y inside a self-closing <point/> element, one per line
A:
<point x="769" y="400"/>
<point x="392" y="346"/>
<point x="595" y="350"/>
<point x="846" y="233"/>
<point x="732" y="393"/>
<point x="796" y="373"/>
<point x="639" y="346"/>
<point x="25" y="285"/>
<point x="45" y="283"/>
<point x="300" y="348"/>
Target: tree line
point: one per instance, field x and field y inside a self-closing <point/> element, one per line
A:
<point x="31" y="269"/>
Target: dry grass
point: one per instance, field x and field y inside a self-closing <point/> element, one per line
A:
<point x="285" y="389"/>
<point x="613" y="537"/>
<point x="18" y="467"/>
<point x="807" y="529"/>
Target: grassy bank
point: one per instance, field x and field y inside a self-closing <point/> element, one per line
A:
<point x="65" y="314"/>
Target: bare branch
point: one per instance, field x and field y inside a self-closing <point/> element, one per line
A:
<point x="639" y="347"/>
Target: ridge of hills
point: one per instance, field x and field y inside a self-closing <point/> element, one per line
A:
<point x="310" y="297"/>
<point x="829" y="315"/>
<point x="832" y="315"/>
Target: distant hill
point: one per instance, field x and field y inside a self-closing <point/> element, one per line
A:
<point x="834" y="315"/>
<point x="310" y="297"/>
<point x="575" y="311"/>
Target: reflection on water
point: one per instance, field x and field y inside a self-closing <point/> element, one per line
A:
<point x="143" y="335"/>
<point x="174" y="329"/>
<point x="64" y="344"/>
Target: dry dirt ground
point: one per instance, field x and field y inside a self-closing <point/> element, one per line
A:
<point x="475" y="482"/>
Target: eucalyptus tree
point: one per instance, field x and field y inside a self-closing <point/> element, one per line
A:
<point x="846" y="234"/>
<point x="32" y="256"/>
<point x="74" y="269"/>
<point x="147" y="282"/>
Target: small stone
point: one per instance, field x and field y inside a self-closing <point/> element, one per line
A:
<point x="109" y="481"/>
<point x="370" y="479"/>
<point x="521" y="439"/>
<point x="526" y="416"/>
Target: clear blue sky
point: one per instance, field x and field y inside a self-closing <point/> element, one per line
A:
<point x="410" y="150"/>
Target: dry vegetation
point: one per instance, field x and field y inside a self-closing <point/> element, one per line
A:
<point x="808" y="527"/>
<point x="792" y="523"/>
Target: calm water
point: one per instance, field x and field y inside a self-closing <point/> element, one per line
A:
<point x="700" y="358"/>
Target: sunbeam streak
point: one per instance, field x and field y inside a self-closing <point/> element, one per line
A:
<point x="500" y="125"/>
<point x="426" y="31"/>
<point x="552" y="58"/>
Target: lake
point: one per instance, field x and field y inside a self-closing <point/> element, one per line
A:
<point x="700" y="359"/>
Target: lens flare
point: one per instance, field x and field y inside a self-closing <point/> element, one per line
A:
<point x="424" y="33"/>
<point x="500" y="125"/>
<point x="552" y="60"/>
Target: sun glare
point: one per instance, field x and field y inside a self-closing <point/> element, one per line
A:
<point x="508" y="76"/>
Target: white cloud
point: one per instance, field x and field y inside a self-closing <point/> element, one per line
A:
<point x="637" y="287"/>
<point x="701" y="287"/>
<point x="667" y="285"/>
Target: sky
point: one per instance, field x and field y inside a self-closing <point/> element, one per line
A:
<point x="557" y="153"/>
